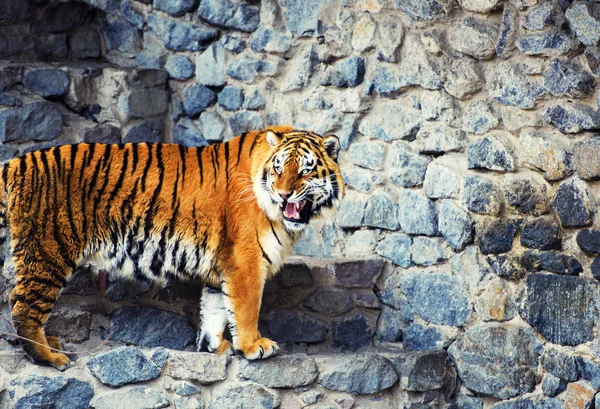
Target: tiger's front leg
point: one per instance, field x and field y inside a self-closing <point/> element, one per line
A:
<point x="243" y="295"/>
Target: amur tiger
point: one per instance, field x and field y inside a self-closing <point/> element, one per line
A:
<point x="227" y="214"/>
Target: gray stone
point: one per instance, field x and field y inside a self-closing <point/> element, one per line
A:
<point x="352" y="211"/>
<point x="213" y="126"/>
<point x="552" y="262"/>
<point x="419" y="338"/>
<point x="542" y="16"/>
<point x="139" y="397"/>
<point x="388" y="38"/>
<point x="243" y="15"/>
<point x="302" y="16"/>
<point x="351" y="333"/>
<point x="330" y="301"/>
<point x="361" y="243"/>
<point x="507" y="266"/>
<point x="560" y="364"/>
<point x="584" y="20"/>
<point x="295" y="274"/>
<point x="197" y="99"/>
<point x="481" y="196"/>
<point x="33" y="391"/>
<point x="150" y="130"/>
<point x="367" y="154"/>
<point x="496" y="301"/>
<point x="479" y="6"/>
<point x="439" y="138"/>
<point x="455" y="224"/>
<point x="363" y="35"/>
<point x="349" y="72"/>
<point x="119" y="288"/>
<point x="301" y="71"/>
<point x="210" y="66"/>
<point x="463" y="77"/>
<point x="120" y="35"/>
<point x="393" y="322"/>
<point x="231" y="98"/>
<point x="361" y="180"/>
<point x="497" y="235"/>
<point x="427" y="251"/>
<point x="46" y="82"/>
<point x="479" y="117"/>
<point x="585" y="154"/>
<point x="294" y="326"/>
<point x="426" y="10"/>
<point x="477" y="361"/>
<point x="542" y="233"/>
<point x="122" y="366"/>
<point x="150" y="327"/>
<point x="509" y="85"/>
<point x="542" y="150"/>
<point x="81" y="282"/>
<point x="531" y="402"/>
<point x="51" y="47"/>
<point x="245" y="121"/>
<point x="179" y="67"/>
<point x="469" y="402"/>
<point x="276" y="41"/>
<point x="396" y="248"/>
<point x="553" y="385"/>
<point x="417" y="67"/>
<point x="253" y="101"/>
<point x="385" y="81"/>
<point x="69" y="325"/>
<point x="573" y="203"/>
<point x="551" y="43"/>
<point x="249" y="395"/>
<point x="589" y="369"/>
<point x="233" y="43"/>
<point x="526" y="195"/>
<point x="565" y="78"/>
<point x="61" y="17"/>
<point x="286" y="371"/>
<point x="15" y="44"/>
<point x="491" y="153"/>
<point x="441" y="181"/>
<point x="84" y="43"/>
<point x="432" y="41"/>
<point x="361" y="373"/>
<point x="132" y="14"/>
<point x="591" y="56"/>
<point x="417" y="214"/>
<point x="438" y="105"/>
<point x="358" y="273"/>
<point x="14" y="12"/>
<point x="40" y="121"/>
<point x="146" y="102"/>
<point x="184" y="388"/>
<point x="381" y="211"/>
<point x="422" y="371"/>
<point x="392" y="122"/>
<point x="572" y="118"/>
<point x="187" y="133"/>
<point x="248" y="69"/>
<point x="509" y="29"/>
<point x="9" y="76"/>
<point x="561" y="319"/>
<point x="473" y="37"/>
<point x="181" y="36"/>
<point x="175" y="8"/>
<point x="200" y="367"/>
<point x="195" y="402"/>
<point x="9" y="100"/>
<point x="437" y="298"/>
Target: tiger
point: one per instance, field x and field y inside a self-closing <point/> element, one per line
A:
<point x="227" y="215"/>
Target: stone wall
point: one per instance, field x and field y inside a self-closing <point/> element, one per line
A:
<point x="461" y="271"/>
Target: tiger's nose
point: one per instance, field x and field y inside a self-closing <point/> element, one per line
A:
<point x="284" y="194"/>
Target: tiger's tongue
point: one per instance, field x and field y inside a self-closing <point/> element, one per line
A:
<point x="291" y="212"/>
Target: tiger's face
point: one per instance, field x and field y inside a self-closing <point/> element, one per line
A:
<point x="301" y="180"/>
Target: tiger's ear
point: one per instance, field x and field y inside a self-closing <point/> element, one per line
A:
<point x="332" y="146"/>
<point x="273" y="139"/>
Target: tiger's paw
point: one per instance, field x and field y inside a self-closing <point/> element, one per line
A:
<point x="59" y="361"/>
<point x="215" y="344"/>
<point x="54" y="343"/>
<point x="226" y="348"/>
<point x="260" y="349"/>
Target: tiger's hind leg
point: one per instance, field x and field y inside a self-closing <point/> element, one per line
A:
<point x="32" y="300"/>
<point x="213" y="316"/>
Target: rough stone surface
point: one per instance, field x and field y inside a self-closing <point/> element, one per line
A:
<point x="438" y="138"/>
<point x="351" y="333"/>
<point x="583" y="18"/>
<point x="294" y="326"/>
<point x="141" y="397"/>
<point x="565" y="78"/>
<point x="479" y="117"/>
<point x="584" y="154"/>
<point x="508" y="85"/>
<point x="244" y="396"/>
<point x="497" y="235"/>
<point x="542" y="234"/>
<point x="455" y="224"/>
<point x="201" y="367"/>
<point x="573" y="203"/>
<point x="441" y="181"/>
<point x="473" y="37"/>
<point x="422" y="371"/>
<point x="490" y="153"/>
<point x="526" y="195"/>
<point x="541" y="150"/>
<point x="362" y="373"/>
<point x="481" y="196"/>
<point x="286" y="371"/>
<point x="122" y="366"/>
<point x="330" y="301"/>
<point x="396" y="248"/>
<point x="417" y="214"/>
<point x="40" y="120"/>
<point x="572" y="118"/>
<point x="33" y="391"/>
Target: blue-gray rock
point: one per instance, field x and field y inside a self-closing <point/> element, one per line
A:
<point x="572" y="118"/>
<point x="240" y="15"/>
<point x="592" y="58"/>
<point x="367" y="154"/>
<point x="40" y="121"/>
<point x="455" y="224"/>
<point x="233" y="43"/>
<point x="426" y="10"/>
<point x="565" y="78"/>
<point x="120" y="35"/>
<point x="406" y="167"/>
<point x="9" y="76"/>
<point x="417" y="67"/>
<point x="424" y="370"/>
<point x="506" y="265"/>
<point x="361" y="243"/>
<point x="139" y="397"/>
<point x="330" y="301"/>
<point x="82" y="283"/>
<point x="15" y="11"/>
<point x="61" y="17"/>
<point x="417" y="214"/>
<point x="51" y="47"/>
<point x="437" y="298"/>
<point x="197" y="98"/>
<point x="254" y="100"/>
<point x="195" y="402"/>
<point x="179" y="35"/>
<point x="389" y="36"/>
<point x="9" y="100"/>
<point x="552" y="262"/>
<point x="542" y="233"/>
<point x="352" y="211"/>
<point x="561" y="308"/>
<point x="349" y="72"/>
<point x="392" y="322"/>
<point x="302" y="16"/>
<point x="301" y="71"/>
<point x="469" y="402"/>
<point x="481" y="196"/>
<point x="249" y="395"/>
<point x="213" y="126"/>
<point x="589" y="369"/>
<point x="351" y="333"/>
<point x="474" y="37"/>
<point x="284" y="371"/>
<point x="543" y="16"/>
<point x="144" y="102"/>
<point x="35" y="391"/>
<point x="573" y="203"/>
<point x="358" y="273"/>
<point x="318" y="243"/>
<point x="437" y="138"/>
<point x="15" y="44"/>
<point x="560" y="364"/>
<point x="150" y="327"/>
<point x="150" y="130"/>
<point x="119" y="288"/>
<point x="531" y="403"/>
<point x="132" y="14"/>
<point x="179" y="67"/>
<point x="159" y="356"/>
<point x="509" y="85"/>
<point x="396" y="248"/>
<point x="485" y="347"/>
<point x="441" y="181"/>
<point x="175" y="8"/>
<point x="187" y="133"/>
<point x="479" y="117"/>
<point x="231" y="98"/>
<point x="361" y="373"/>
<point x="210" y="66"/>
<point x="509" y="28"/>
<point x="360" y="180"/>
<point x="84" y="43"/>
<point x="427" y="251"/>
<point x="553" y="385"/>
<point x="490" y="153"/>
<point x="384" y="81"/>
<point x="551" y="43"/>
<point x="271" y="40"/>
<point x="583" y="18"/>
<point x="393" y="122"/>
<point x="419" y="338"/>
<point x="381" y="211"/>
<point x="463" y="77"/>
<point x="46" y="82"/>
<point x="588" y="240"/>
<point x="184" y="388"/>
<point x="526" y="196"/>
<point x="122" y="366"/>
<point x="497" y="235"/>
<point x="543" y="150"/>
<point x="245" y="121"/>
<point x="294" y="326"/>
<point x="247" y="69"/>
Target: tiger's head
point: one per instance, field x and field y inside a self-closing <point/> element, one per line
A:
<point x="300" y="180"/>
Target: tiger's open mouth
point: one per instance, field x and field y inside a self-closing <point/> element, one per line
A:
<point x="298" y="212"/>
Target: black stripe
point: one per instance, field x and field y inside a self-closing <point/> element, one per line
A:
<point x="226" y="150"/>
<point x="56" y="230"/>
<point x="215" y="163"/>
<point x="57" y="160"/>
<point x="33" y="305"/>
<point x="241" y="147"/>
<point x="91" y="155"/>
<point x="182" y="154"/>
<point x="147" y="166"/>
<point x="41" y="280"/>
<point x="253" y="144"/>
<point x="161" y="168"/>
<point x="263" y="253"/>
<point x="199" y="157"/>
<point x="273" y="230"/>
<point x="134" y="162"/>
<point x="70" y="206"/>
<point x="119" y="183"/>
